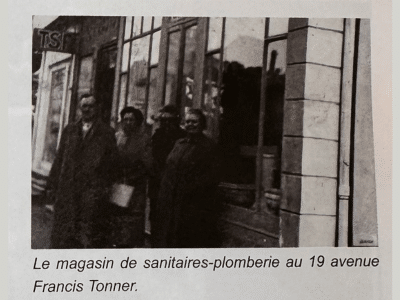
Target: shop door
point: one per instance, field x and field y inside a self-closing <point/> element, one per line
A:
<point x="104" y="83"/>
<point x="181" y="65"/>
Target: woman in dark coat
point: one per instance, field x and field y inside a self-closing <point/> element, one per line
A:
<point x="187" y="204"/>
<point x="162" y="142"/>
<point x="128" y="224"/>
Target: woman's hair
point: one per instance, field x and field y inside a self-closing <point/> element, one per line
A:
<point x="170" y="109"/>
<point x="200" y="114"/>
<point x="136" y="112"/>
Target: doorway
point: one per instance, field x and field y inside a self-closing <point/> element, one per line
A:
<point x="104" y="82"/>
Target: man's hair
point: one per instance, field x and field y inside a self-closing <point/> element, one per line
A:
<point x="198" y="112"/>
<point x="136" y="112"/>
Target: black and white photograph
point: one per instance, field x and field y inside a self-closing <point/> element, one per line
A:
<point x="202" y="132"/>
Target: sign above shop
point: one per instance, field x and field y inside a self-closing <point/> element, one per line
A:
<point x="52" y="40"/>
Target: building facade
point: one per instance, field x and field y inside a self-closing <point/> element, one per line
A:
<point x="287" y="100"/>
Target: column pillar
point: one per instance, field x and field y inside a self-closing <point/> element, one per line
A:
<point x="311" y="133"/>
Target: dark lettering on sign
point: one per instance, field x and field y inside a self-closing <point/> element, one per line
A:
<point x="55" y="40"/>
<point x="43" y="34"/>
<point x="52" y="40"/>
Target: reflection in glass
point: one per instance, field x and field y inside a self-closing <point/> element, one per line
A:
<point x="276" y="69"/>
<point x="244" y="41"/>
<point x="240" y="98"/>
<point x="137" y="26"/>
<point x="155" y="48"/>
<point x="85" y="75"/>
<point x="54" y="115"/>
<point x="189" y="67"/>
<point x="157" y="22"/>
<point x="125" y="58"/>
<point x="278" y="26"/>
<point x="128" y="27"/>
<point x="172" y="68"/>
<point x="152" y="102"/>
<point x="122" y="94"/>
<point x="210" y="101"/>
<point x="214" y="33"/>
<point x="138" y="73"/>
<point x="146" y="24"/>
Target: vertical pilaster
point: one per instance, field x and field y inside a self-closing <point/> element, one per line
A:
<point x="311" y="133"/>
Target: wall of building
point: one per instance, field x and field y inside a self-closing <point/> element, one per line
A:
<point x="311" y="133"/>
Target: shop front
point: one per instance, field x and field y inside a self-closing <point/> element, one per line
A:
<point x="272" y="89"/>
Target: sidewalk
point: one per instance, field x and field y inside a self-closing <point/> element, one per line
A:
<point x="41" y="225"/>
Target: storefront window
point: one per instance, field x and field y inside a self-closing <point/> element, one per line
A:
<point x="152" y="104"/>
<point x="139" y="56"/>
<point x="278" y="26"/>
<point x="276" y="70"/>
<point x="210" y="101"/>
<point x="232" y="99"/>
<point x="122" y="93"/>
<point x="155" y="48"/>
<point x="128" y="28"/>
<point x="58" y="82"/>
<point x="85" y="79"/>
<point x="146" y="24"/>
<point x="85" y="75"/>
<point x="189" y="67"/>
<point x="157" y="22"/>
<point x="214" y="33"/>
<point x="138" y="73"/>
<point x="240" y="97"/>
<point x="137" y="26"/>
<point x="125" y="57"/>
<point x="172" y="67"/>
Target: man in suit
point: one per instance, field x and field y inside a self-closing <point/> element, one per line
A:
<point x="80" y="180"/>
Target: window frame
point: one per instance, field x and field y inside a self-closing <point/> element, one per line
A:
<point x="259" y="189"/>
<point x="150" y="66"/>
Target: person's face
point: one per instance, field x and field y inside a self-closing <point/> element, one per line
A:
<point x="89" y="109"/>
<point x="168" y="121"/>
<point x="193" y="124"/>
<point x="129" y="122"/>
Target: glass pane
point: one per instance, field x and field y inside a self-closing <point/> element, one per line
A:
<point x="146" y="24"/>
<point x="54" y="116"/>
<point x="244" y="41"/>
<point x="276" y="69"/>
<point x="125" y="58"/>
<point x="155" y="48"/>
<point x="276" y="62"/>
<point x="157" y="22"/>
<point x="214" y="33"/>
<point x="85" y="76"/>
<point x="278" y="26"/>
<point x="240" y="97"/>
<point x="122" y="94"/>
<point x="152" y="102"/>
<point x="210" y="100"/>
<point x="172" y="68"/>
<point x="138" y="73"/>
<point x="128" y="27"/>
<point x="189" y="67"/>
<point x="137" y="26"/>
